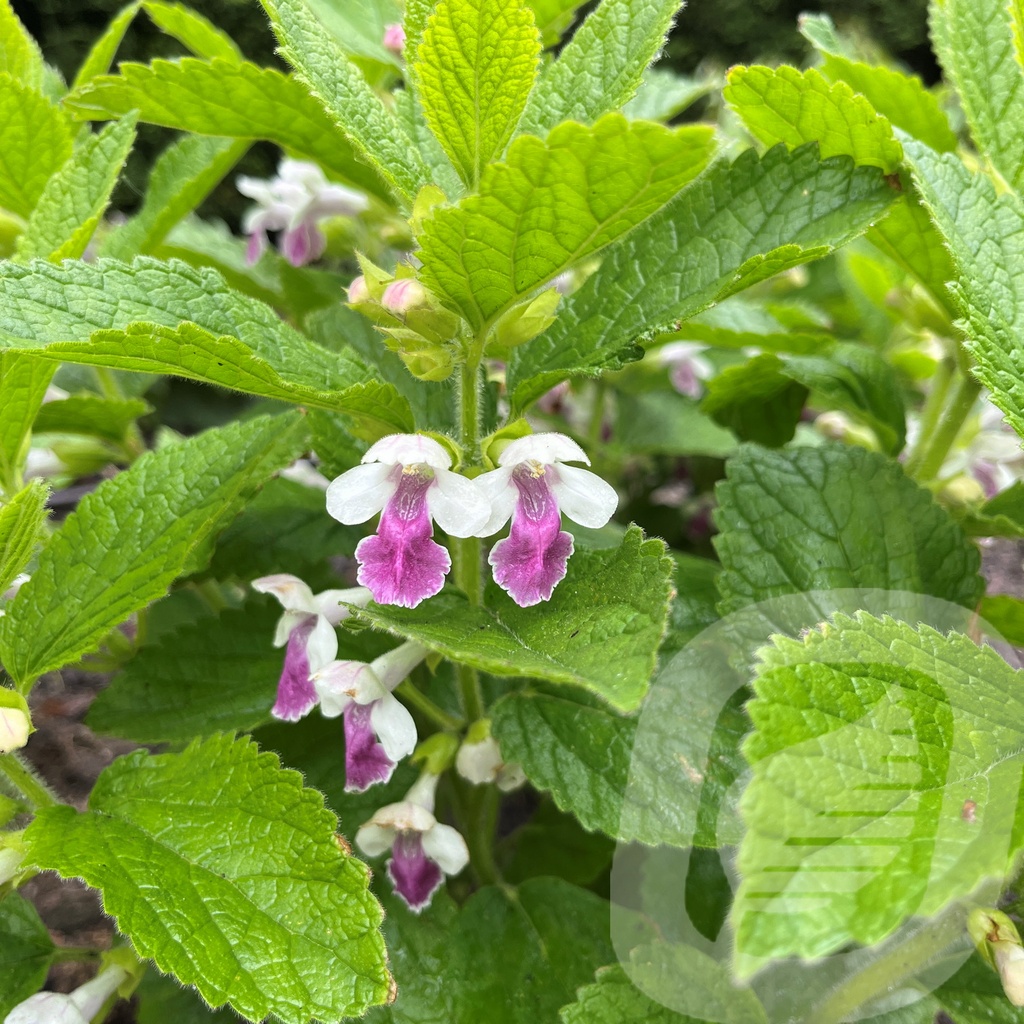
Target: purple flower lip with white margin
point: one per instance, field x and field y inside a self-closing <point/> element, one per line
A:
<point x="293" y="203"/>
<point x="535" y="489"/>
<point x="423" y="850"/>
<point x="307" y="627"/>
<point x="407" y="478"/>
<point x="379" y="731"/>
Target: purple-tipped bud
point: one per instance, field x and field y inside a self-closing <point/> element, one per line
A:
<point x="358" y="291"/>
<point x="402" y="295"/>
<point x="394" y="38"/>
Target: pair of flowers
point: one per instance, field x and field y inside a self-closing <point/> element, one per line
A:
<point x="409" y="480"/>
<point x="379" y="731"/>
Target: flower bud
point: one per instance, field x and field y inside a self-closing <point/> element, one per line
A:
<point x="403" y="295"/>
<point x="524" y="322"/>
<point x="479" y="760"/>
<point x="433" y="363"/>
<point x="999" y="943"/>
<point x="15" y="721"/>
<point x="358" y="291"/>
<point x="394" y="38"/>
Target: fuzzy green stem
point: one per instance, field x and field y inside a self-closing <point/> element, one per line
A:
<point x="890" y="971"/>
<point x="412" y="695"/>
<point x="62" y="953"/>
<point x="931" y="413"/>
<point x="468" y="550"/>
<point x="483" y="818"/>
<point x="27" y="782"/>
<point x="935" y="447"/>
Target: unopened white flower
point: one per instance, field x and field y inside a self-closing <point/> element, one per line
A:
<point x="480" y="762"/>
<point x="78" y="1007"/>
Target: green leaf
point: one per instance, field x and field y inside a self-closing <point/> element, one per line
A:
<point x="164" y="694"/>
<point x="554" y="844"/>
<point x="793" y="107"/>
<point x="579" y="753"/>
<point x="474" y="71"/>
<point x="222" y="98"/>
<point x="663" y="94"/>
<point x="1005" y="614"/>
<point x="35" y="142"/>
<point x="600" y="630"/>
<point x="192" y="30"/>
<point x="693" y="608"/>
<point x="208" y="911"/>
<point x="834" y="517"/>
<point x="26" y="951"/>
<point x="870" y="734"/>
<point x="284" y="529"/>
<point x="339" y="85"/>
<point x="20" y="56"/>
<point x="742" y="223"/>
<point x="756" y="401"/>
<point x="90" y="414"/>
<point x="128" y="540"/>
<point x="21" y="519"/>
<point x="23" y="383"/>
<point x="856" y="380"/>
<point x="101" y="54"/>
<point x="553" y="17"/>
<point x="909" y="238"/>
<point x="985" y="233"/>
<point x="552" y="204"/>
<point x="634" y="780"/>
<point x="613" y="999"/>
<point x="184" y="175"/>
<point x="600" y="68"/>
<point x="666" y="422"/>
<point x="900" y="98"/>
<point x="76" y="197"/>
<point x="295" y="291"/>
<point x="540" y="941"/>
<point x="975" y="44"/>
<point x="165" y="317"/>
<point x="162" y="999"/>
<point x="359" y="30"/>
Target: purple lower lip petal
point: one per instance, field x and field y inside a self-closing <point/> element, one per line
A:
<point x="296" y="695"/>
<point x="366" y="763"/>
<point x="415" y="877"/>
<point x="401" y="564"/>
<point x="532" y="560"/>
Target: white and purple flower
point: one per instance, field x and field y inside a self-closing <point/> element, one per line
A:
<point x="306" y="631"/>
<point x="687" y="366"/>
<point x="379" y="731"/>
<point x="423" y="850"/>
<point x="293" y="203"/>
<point x="479" y="761"/>
<point x="394" y="38"/>
<point x="406" y="477"/>
<point x="78" y="1007"/>
<point x="534" y="488"/>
